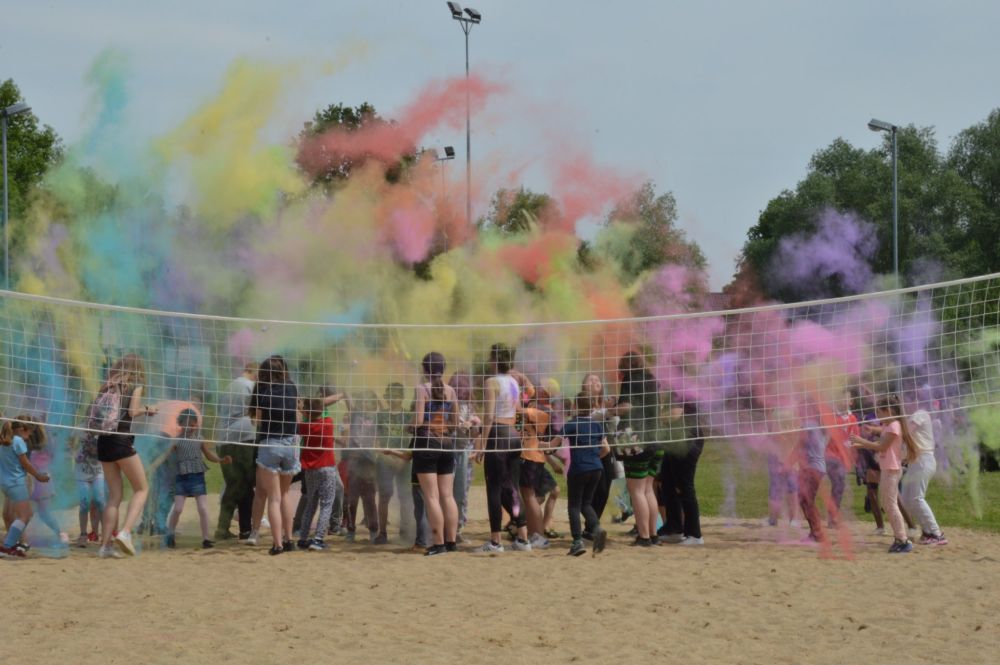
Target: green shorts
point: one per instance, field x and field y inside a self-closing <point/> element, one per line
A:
<point x="643" y="465"/>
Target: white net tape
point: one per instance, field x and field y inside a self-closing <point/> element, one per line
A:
<point x="745" y="373"/>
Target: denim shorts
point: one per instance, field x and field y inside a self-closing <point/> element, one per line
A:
<point x="16" y="492"/>
<point x="279" y="455"/>
<point x="190" y="484"/>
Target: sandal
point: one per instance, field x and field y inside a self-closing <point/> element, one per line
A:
<point x="552" y="533"/>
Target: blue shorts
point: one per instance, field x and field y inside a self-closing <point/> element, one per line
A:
<point x="16" y="492"/>
<point x="190" y="484"/>
<point x="279" y="456"/>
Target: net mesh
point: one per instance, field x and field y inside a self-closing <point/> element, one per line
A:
<point x="745" y="374"/>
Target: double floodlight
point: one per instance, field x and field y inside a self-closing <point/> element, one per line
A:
<point x="474" y="16"/>
<point x="449" y="152"/>
<point x="881" y="126"/>
<point x="15" y="109"/>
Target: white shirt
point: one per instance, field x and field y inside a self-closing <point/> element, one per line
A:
<point x="508" y="395"/>
<point x="922" y="431"/>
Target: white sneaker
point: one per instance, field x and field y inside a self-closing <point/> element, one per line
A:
<point x="264" y="523"/>
<point x="108" y="552"/>
<point x="539" y="542"/>
<point x="520" y="546"/>
<point x="879" y="531"/>
<point x="490" y="547"/>
<point x="914" y="533"/>
<point x="253" y="538"/>
<point x="691" y="540"/>
<point x="795" y="524"/>
<point x="124" y="542"/>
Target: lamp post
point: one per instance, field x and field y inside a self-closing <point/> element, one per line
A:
<point x="13" y="109"/>
<point x="466" y="19"/>
<point x="449" y="154"/>
<point x="882" y="126"/>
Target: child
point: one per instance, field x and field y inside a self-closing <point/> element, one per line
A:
<point x="362" y="471"/>
<point x="782" y="488"/>
<point x="393" y="472"/>
<point x="319" y="465"/>
<point x="547" y="493"/>
<point x="587" y="446"/>
<point x="809" y="454"/>
<point x="535" y="421"/>
<point x="190" y="481"/>
<point x="42" y="492"/>
<point x="89" y="475"/>
<point x="840" y="425"/>
<point x="14" y="469"/>
<point x="468" y="429"/>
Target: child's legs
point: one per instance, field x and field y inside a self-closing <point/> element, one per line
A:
<point x="532" y="511"/>
<point x="46" y="516"/>
<point x="21" y="513"/>
<point x="461" y="488"/>
<point x="432" y="504"/>
<point x="201" y="501"/>
<point x="446" y="485"/>
<point x="549" y="512"/>
<point x="420" y="517"/>
<point x="351" y="509"/>
<point x="637" y="490"/>
<point x="652" y="505"/>
<point x="113" y="478"/>
<point x="405" y="498"/>
<point x="83" y="494"/>
<point x="337" y="513"/>
<point x="269" y="489"/>
<point x="574" y="502"/>
<point x="494" y="472"/>
<point x="132" y="468"/>
<point x="871" y="483"/>
<point x="371" y="508"/>
<point x="809" y="480"/>
<point x="175" y="513"/>
<point x="889" y="494"/>
<point x="309" y="502"/>
<point x="837" y="473"/>
<point x="915" y="483"/>
<point x="386" y="488"/>
<point x="287" y="505"/>
<point x="592" y="484"/>
<point x="326" y="481"/>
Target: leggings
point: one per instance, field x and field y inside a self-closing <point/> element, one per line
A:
<point x="888" y="494"/>
<point x="679" y="496"/>
<point x="581" y="488"/>
<point x="809" y="480"/>
<point x="92" y="493"/>
<point x="322" y="486"/>
<point x="604" y="487"/>
<point x="837" y="473"/>
<point x="501" y="467"/>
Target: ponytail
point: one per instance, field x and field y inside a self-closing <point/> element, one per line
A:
<point x="433" y="366"/>
<point x="892" y="404"/>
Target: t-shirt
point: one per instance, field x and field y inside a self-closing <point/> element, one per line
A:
<point x="233" y="421"/>
<point x="277" y="405"/>
<point x="535" y="424"/>
<point x="922" y="431"/>
<point x="392" y="429"/>
<point x="639" y="389"/>
<point x="839" y="428"/>
<point x="190" y="458"/>
<point x="317" y="444"/>
<point x="891" y="459"/>
<point x="814" y="446"/>
<point x="584" y="437"/>
<point x="11" y="471"/>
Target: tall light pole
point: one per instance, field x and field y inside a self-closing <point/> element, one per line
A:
<point x="882" y="126"/>
<point x="469" y="18"/>
<point x="13" y="109"/>
<point x="449" y="154"/>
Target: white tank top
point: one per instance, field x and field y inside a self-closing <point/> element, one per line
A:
<point x="508" y="394"/>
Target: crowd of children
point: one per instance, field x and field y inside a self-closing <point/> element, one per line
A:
<point x="423" y="455"/>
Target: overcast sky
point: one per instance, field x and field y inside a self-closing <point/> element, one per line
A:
<point x="720" y="102"/>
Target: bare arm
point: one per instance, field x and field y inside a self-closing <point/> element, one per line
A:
<point x="488" y="416"/>
<point x="135" y="407"/>
<point x="419" y="402"/>
<point x="879" y="446"/>
<point x="208" y="450"/>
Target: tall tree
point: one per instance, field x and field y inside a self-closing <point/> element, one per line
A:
<point x="31" y="150"/>
<point x="515" y="211"/>
<point x="975" y="157"/>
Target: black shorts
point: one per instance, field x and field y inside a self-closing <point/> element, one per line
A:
<point x="546" y="483"/>
<point x="441" y="462"/>
<point x="530" y="473"/>
<point x="114" y="447"/>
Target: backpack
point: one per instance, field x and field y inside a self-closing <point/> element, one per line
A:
<point x="105" y="412"/>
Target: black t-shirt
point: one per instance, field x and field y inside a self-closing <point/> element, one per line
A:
<point x="277" y="405"/>
<point x="640" y="390"/>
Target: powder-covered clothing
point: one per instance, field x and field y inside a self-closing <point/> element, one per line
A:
<point x="317" y="444"/>
<point x="11" y="471"/>
<point x="189" y="456"/>
<point x="42" y="460"/>
<point x="233" y="417"/>
<point x="640" y="390"/>
<point x="891" y="458"/>
<point x="585" y="438"/>
<point x="840" y="427"/>
<point x="508" y="396"/>
<point x="814" y="446"/>
<point x="922" y="431"/>
<point x="87" y="467"/>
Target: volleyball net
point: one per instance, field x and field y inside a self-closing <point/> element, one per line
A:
<point x="746" y="375"/>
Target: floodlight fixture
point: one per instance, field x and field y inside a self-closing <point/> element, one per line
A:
<point x="456" y="10"/>
<point x="15" y="109"/>
<point x="891" y="129"/>
<point x="474" y="15"/>
<point x="449" y="152"/>
<point x="881" y="126"/>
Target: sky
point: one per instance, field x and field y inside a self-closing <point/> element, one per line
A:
<point x="721" y="103"/>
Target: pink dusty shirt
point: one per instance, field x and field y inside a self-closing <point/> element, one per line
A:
<point x="890" y="459"/>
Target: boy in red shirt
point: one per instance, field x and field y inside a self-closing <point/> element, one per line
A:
<point x="840" y="424"/>
<point x="319" y="465"/>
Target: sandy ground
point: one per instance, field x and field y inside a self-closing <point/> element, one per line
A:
<point x="742" y="598"/>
